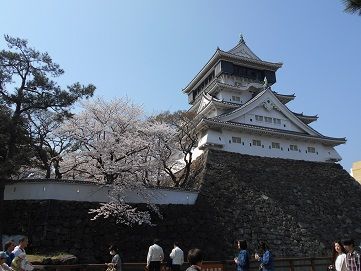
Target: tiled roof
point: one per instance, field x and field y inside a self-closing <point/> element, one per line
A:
<point x="241" y="49"/>
<point x="232" y="57"/>
<point x="305" y="116"/>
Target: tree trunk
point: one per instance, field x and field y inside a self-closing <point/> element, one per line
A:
<point x="12" y="137"/>
<point x="2" y="188"/>
<point x="48" y="172"/>
<point x="58" y="174"/>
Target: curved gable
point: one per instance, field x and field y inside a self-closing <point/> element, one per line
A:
<point x="267" y="100"/>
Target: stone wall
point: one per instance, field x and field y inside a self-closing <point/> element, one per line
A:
<point x="298" y="207"/>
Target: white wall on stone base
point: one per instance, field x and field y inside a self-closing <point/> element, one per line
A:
<point x="322" y="153"/>
<point x="91" y="193"/>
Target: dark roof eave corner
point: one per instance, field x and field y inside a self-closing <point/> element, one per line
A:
<point x="337" y="141"/>
<point x="188" y="88"/>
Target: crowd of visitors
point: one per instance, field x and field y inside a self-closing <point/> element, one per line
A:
<point x="13" y="258"/>
<point x="344" y="257"/>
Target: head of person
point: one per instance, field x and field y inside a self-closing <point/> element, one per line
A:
<point x="337" y="248"/>
<point x="3" y="257"/>
<point x="9" y="246"/>
<point x="113" y="250"/>
<point x="262" y="246"/>
<point x="23" y="242"/>
<point x="349" y="245"/>
<point x="195" y="256"/>
<point x="175" y="244"/>
<point x="242" y="244"/>
<point x="156" y="241"/>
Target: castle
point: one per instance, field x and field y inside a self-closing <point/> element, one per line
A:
<point x="237" y="111"/>
<point x="262" y="174"/>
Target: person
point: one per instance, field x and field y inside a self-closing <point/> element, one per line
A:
<point x="20" y="255"/>
<point x="353" y="261"/>
<point x="177" y="257"/>
<point x="264" y="257"/>
<point x="116" y="260"/>
<point x="23" y="243"/>
<point x="20" y="263"/>
<point x="338" y="257"/>
<point x="195" y="259"/>
<point x="155" y="256"/>
<point x="242" y="261"/>
<point x="9" y="247"/>
<point x="3" y="265"/>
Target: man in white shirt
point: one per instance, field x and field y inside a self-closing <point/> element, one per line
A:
<point x="155" y="256"/>
<point x="23" y="243"/>
<point x="177" y="257"/>
<point x="19" y="252"/>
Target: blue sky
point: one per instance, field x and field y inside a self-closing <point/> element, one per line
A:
<point x="150" y="50"/>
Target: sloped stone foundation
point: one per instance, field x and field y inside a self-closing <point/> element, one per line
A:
<point x="298" y="207"/>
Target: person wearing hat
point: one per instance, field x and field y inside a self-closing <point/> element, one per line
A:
<point x="3" y="265"/>
<point x="353" y="258"/>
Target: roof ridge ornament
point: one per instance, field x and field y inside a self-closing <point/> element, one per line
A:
<point x="241" y="39"/>
<point x="265" y="83"/>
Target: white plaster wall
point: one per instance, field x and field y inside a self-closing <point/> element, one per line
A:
<point x="322" y="154"/>
<point x="261" y="111"/>
<point x="226" y="95"/>
<point x="214" y="137"/>
<point x="91" y="193"/>
<point x="233" y="80"/>
<point x="202" y="139"/>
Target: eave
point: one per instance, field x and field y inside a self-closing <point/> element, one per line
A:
<point x="307" y="119"/>
<point x="212" y="123"/>
<point x="222" y="55"/>
<point x="216" y="86"/>
<point x="215" y="103"/>
<point x="284" y="98"/>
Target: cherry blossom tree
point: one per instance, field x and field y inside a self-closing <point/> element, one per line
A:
<point x="115" y="149"/>
<point x="175" y="149"/>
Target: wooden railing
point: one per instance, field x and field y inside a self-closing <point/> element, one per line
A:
<point x="280" y="264"/>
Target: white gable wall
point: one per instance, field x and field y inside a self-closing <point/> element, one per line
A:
<point x="272" y="105"/>
<point x="250" y="118"/>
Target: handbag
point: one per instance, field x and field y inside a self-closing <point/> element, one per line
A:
<point x="111" y="268"/>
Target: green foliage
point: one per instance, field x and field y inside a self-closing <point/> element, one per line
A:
<point x="353" y="6"/>
<point x="27" y="85"/>
<point x="23" y="153"/>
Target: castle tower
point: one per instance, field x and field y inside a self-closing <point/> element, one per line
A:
<point x="237" y="111"/>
